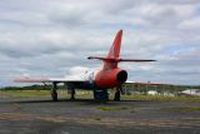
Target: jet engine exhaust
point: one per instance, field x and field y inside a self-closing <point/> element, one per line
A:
<point x="122" y="76"/>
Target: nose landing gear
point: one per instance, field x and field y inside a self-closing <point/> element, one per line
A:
<point x="54" y="94"/>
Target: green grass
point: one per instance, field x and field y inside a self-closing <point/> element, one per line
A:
<point x="25" y="93"/>
<point x="42" y="93"/>
<point x="159" y="98"/>
<point x="89" y="95"/>
<point x="113" y="108"/>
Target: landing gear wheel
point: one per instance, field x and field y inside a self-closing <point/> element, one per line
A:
<point x="72" y="94"/>
<point x="101" y="95"/>
<point x="117" y="96"/>
<point x="54" y="96"/>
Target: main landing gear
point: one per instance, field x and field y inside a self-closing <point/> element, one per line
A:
<point x="72" y="92"/>
<point x="118" y="93"/>
<point x="54" y="94"/>
<point x="101" y="95"/>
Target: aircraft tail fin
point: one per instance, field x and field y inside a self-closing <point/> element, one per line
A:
<point x="113" y="57"/>
<point x="114" y="51"/>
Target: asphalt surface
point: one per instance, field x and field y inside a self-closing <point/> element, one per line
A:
<point x="42" y="116"/>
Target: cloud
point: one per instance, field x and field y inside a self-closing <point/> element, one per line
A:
<point x="193" y="23"/>
<point x="50" y="38"/>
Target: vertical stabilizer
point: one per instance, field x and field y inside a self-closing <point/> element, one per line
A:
<point x="115" y="48"/>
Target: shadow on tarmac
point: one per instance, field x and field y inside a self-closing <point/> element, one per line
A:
<point x="82" y="101"/>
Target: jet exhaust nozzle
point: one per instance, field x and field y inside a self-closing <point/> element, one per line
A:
<point x="122" y="76"/>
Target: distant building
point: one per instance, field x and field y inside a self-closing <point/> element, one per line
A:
<point x="192" y="92"/>
<point x="168" y="94"/>
<point x="152" y="92"/>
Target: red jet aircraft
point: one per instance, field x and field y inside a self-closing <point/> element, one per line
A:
<point x="110" y="76"/>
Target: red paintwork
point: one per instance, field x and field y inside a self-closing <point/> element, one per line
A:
<point x="115" y="48"/>
<point x="114" y="52"/>
<point x="107" y="77"/>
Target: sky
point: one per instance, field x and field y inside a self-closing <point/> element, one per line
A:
<point x="55" y="37"/>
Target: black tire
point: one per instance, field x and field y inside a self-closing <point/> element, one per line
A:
<point x="101" y="95"/>
<point x="54" y="96"/>
<point x="117" y="96"/>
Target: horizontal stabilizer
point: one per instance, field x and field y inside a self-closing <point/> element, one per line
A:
<point x="120" y="60"/>
<point x="95" y="57"/>
<point x="136" y="60"/>
<point x="102" y="58"/>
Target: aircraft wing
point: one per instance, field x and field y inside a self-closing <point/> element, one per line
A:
<point x="47" y="80"/>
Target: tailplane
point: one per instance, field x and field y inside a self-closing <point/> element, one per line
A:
<point x="113" y="57"/>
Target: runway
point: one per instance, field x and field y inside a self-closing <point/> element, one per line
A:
<point x="42" y="116"/>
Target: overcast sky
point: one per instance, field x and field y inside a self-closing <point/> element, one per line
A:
<point x="55" y="37"/>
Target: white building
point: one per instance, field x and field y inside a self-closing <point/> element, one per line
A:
<point x="152" y="92"/>
<point x="192" y="92"/>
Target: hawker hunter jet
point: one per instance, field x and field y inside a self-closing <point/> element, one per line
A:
<point x="110" y="77"/>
